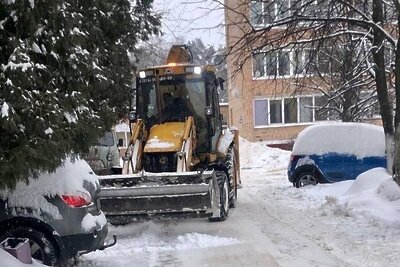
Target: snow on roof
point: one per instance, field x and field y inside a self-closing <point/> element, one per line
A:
<point x="122" y="127"/>
<point x="359" y="139"/>
<point x="67" y="179"/>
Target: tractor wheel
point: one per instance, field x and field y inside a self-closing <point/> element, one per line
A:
<point x="223" y="197"/>
<point x="42" y="247"/>
<point x="232" y="172"/>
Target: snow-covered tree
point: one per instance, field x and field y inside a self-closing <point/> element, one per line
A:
<point x="65" y="76"/>
<point x="206" y="54"/>
<point x="202" y="54"/>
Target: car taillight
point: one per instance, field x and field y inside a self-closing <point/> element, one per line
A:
<point x="76" y="201"/>
<point x="293" y="158"/>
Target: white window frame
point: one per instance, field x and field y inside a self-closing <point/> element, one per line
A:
<point x="291" y="74"/>
<point x="283" y="123"/>
<point x="264" y="65"/>
<point x="275" y="15"/>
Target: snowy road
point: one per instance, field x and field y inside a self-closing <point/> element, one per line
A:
<point x="248" y="238"/>
<point x="274" y="224"/>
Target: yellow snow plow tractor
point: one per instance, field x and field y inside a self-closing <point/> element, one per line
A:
<point x="180" y="160"/>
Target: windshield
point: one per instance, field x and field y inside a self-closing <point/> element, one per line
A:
<point x="106" y="140"/>
<point x="180" y="97"/>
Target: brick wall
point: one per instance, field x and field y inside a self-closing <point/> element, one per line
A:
<point x="243" y="89"/>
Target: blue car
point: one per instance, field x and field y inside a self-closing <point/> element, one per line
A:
<point x="334" y="152"/>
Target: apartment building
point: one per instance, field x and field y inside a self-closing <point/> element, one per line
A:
<point x="265" y="102"/>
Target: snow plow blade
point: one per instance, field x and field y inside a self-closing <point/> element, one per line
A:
<point x="126" y="198"/>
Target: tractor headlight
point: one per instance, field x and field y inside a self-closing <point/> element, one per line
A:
<point x="132" y="115"/>
<point x="142" y="74"/>
<point x="195" y="70"/>
<point x="209" y="111"/>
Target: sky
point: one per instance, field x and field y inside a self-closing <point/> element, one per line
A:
<point x="192" y="19"/>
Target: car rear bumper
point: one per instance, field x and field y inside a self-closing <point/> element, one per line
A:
<point x="83" y="243"/>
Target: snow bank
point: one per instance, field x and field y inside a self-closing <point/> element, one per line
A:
<point x="151" y="242"/>
<point x="259" y="155"/>
<point x="374" y="196"/>
<point x="357" y="139"/>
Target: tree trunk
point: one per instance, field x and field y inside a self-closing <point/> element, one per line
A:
<point x="381" y="83"/>
<point x="396" y="166"/>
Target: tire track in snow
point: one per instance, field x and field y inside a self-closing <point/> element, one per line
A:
<point x="293" y="247"/>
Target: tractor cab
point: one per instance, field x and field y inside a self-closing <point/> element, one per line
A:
<point x="173" y="92"/>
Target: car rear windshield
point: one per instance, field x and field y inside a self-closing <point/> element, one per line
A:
<point x="106" y="140"/>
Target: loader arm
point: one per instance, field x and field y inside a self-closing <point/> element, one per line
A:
<point x="188" y="146"/>
<point x="131" y="160"/>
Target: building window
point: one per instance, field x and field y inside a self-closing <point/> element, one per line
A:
<point x="306" y="109"/>
<point x="284" y="63"/>
<point x="321" y="114"/>
<point x="261" y="112"/>
<point x="276" y="111"/>
<point x="272" y="64"/>
<point x="301" y="109"/>
<point x="291" y="110"/>
<point x="290" y="62"/>
<point x="258" y="65"/>
<point x="298" y="61"/>
<point x="324" y="62"/>
<point x="266" y="12"/>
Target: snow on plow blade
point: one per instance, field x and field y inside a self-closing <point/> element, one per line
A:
<point x="141" y="196"/>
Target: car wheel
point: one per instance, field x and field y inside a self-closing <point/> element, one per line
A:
<point x="306" y="178"/>
<point x="42" y="248"/>
<point x="223" y="197"/>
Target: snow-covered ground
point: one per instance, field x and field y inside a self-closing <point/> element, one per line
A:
<point x="352" y="223"/>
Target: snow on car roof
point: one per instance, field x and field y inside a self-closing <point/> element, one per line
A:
<point x="359" y="139"/>
<point x="67" y="179"/>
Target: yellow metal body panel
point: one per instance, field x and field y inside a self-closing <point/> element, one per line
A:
<point x="167" y="137"/>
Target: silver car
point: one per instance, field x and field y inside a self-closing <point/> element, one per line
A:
<point x="103" y="156"/>
<point x="59" y="213"/>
